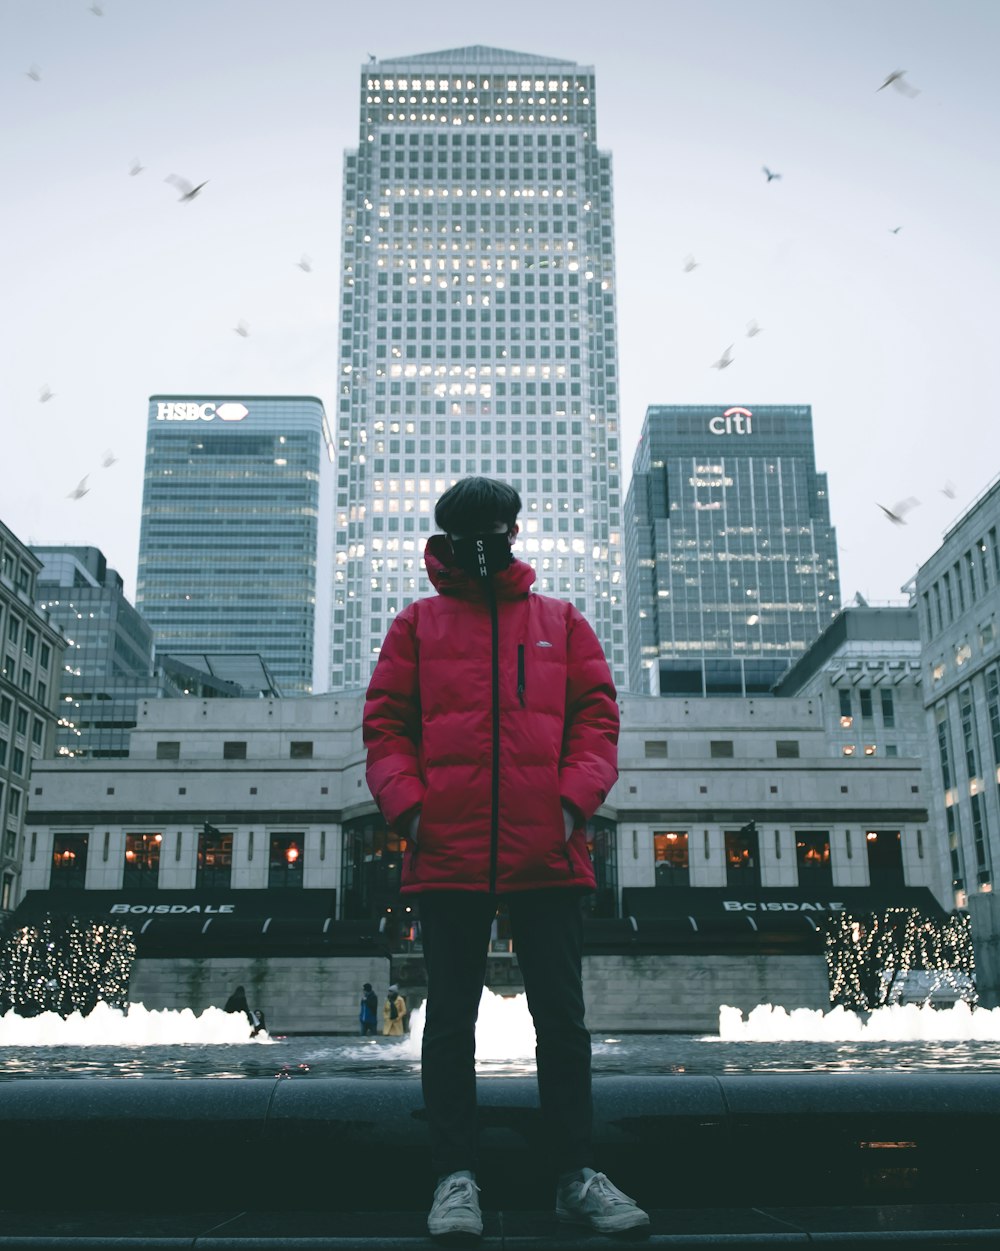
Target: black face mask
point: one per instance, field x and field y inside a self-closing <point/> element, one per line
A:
<point x="482" y="555"/>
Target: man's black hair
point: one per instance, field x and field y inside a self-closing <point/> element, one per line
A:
<point x="475" y="505"/>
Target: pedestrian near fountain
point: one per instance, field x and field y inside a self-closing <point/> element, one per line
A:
<point x="393" y="1013"/>
<point x="368" y="1011"/>
<point x="491" y="725"/>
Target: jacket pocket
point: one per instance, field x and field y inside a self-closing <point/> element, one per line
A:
<point x="520" y="674"/>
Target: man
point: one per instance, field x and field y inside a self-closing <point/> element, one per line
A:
<point x="491" y="727"/>
<point x="368" y="1009"/>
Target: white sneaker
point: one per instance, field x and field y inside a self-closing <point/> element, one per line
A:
<point x="588" y="1198"/>
<point x="455" y="1216"/>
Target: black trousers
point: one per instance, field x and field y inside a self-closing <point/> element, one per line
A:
<point x="547" y="927"/>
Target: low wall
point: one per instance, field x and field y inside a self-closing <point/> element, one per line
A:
<point x="638" y="993"/>
<point x="683" y="993"/>
<point x="984" y="913"/>
<point x="360" y="1144"/>
<point x="302" y="994"/>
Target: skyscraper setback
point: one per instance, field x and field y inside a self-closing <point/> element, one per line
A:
<point x="478" y="333"/>
<point x="730" y="554"/>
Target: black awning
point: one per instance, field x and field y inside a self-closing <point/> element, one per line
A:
<point x="766" y="920"/>
<point x="203" y="923"/>
<point x="133" y="907"/>
<point x="710" y="904"/>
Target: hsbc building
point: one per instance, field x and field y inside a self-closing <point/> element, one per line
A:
<point x="233" y="493"/>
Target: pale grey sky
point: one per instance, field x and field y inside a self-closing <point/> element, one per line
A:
<point x="113" y="291"/>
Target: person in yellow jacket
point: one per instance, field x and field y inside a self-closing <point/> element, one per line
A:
<point x="393" y="1012"/>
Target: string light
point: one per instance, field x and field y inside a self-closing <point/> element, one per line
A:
<point x="65" y="965"/>
<point x="868" y="956"/>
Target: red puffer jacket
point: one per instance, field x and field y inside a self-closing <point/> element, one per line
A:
<point x="487" y="712"/>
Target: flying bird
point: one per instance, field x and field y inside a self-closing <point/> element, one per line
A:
<point x="372" y="58"/>
<point x="897" y="513"/>
<point x="108" y="459"/>
<point x="97" y="10"/>
<point x="894" y="230"/>
<point x="725" y="360"/>
<point x="45" y="394"/>
<point x="242" y="329"/>
<point x="305" y="264"/>
<point x="949" y="489"/>
<point x="897" y="79"/>
<point x="771" y="175"/>
<point x="689" y="263"/>
<point x="753" y="328"/>
<point x="136" y="167"/>
<point x="188" y="192"/>
<point x="35" y="74"/>
<point x="80" y="490"/>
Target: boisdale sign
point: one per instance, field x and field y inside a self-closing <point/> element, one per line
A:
<point x="782" y="905"/>
<point x="208" y="910"/>
<point x="229" y="410"/>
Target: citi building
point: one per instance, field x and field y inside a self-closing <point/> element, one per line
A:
<point x="731" y="559"/>
<point x="230" y="527"/>
<point x="477" y="333"/>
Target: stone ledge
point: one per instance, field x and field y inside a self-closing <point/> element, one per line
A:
<point x="685" y="1229"/>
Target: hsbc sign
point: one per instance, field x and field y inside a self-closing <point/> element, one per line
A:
<point x="229" y="410"/>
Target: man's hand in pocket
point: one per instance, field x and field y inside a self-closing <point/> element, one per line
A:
<point x="569" y="822"/>
<point x="412" y="828"/>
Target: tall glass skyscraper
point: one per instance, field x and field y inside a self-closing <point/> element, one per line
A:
<point x="230" y="526"/>
<point x="477" y="333"/>
<point x="730" y="556"/>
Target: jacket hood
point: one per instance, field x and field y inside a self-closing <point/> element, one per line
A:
<point x="448" y="579"/>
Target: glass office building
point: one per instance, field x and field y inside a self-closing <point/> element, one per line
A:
<point x="731" y="559"/>
<point x="230" y="527"/>
<point x="478" y="333"/>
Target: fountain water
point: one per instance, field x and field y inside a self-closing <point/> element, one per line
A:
<point x="106" y="1026"/>
<point x="897" y="1023"/>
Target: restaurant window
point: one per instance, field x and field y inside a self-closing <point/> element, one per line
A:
<point x="69" y="862"/>
<point x="215" y="859"/>
<point x="812" y="854"/>
<point x="885" y="858"/>
<point x="168" y="751"/>
<point x="370" y="870"/>
<point x="285" y="863"/>
<point x="787" y="748"/>
<point x="234" y="751"/>
<point x="742" y="857"/>
<point x="602" y="847"/>
<point x="670" y="858"/>
<point x="142" y="859"/>
<point x="720" y="748"/>
<point x="300" y="750"/>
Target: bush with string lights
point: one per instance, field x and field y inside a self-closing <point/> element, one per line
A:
<point x="870" y="956"/>
<point x="65" y="965"/>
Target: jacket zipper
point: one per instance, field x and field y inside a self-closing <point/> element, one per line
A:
<point x="520" y="673"/>
<point x="495" y="813"/>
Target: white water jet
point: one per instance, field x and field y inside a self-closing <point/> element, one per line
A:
<point x="504" y="1029"/>
<point x="141" y="1027"/>
<point x="896" y="1023"/>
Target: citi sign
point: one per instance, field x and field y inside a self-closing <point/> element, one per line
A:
<point x="231" y="410"/>
<point x="732" y="421"/>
